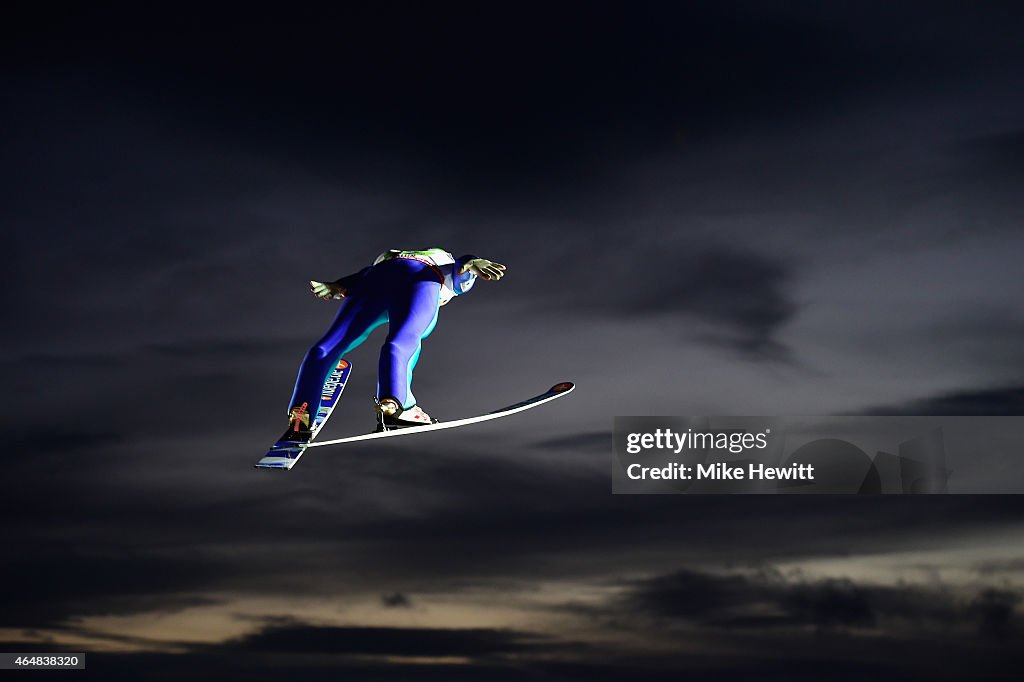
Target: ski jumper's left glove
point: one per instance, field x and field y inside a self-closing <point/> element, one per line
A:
<point x="481" y="267"/>
<point x="327" y="291"/>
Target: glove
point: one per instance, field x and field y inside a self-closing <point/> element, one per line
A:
<point x="481" y="267"/>
<point x="327" y="291"/>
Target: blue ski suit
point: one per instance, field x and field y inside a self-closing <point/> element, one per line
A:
<point x="404" y="289"/>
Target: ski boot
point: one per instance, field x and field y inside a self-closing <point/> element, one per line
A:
<point x="391" y="415"/>
<point x="299" y="430"/>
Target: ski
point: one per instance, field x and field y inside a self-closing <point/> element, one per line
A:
<point x="285" y="458"/>
<point x="333" y="386"/>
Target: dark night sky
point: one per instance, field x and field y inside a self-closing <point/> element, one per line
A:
<point x="705" y="208"/>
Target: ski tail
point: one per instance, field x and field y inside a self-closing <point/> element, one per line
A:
<point x="284" y="454"/>
<point x="281" y="458"/>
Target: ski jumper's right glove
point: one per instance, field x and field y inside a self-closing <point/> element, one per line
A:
<point x="481" y="267"/>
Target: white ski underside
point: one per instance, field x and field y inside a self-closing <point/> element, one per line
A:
<point x="291" y="455"/>
<point x="518" y="407"/>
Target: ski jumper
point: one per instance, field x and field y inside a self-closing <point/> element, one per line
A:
<point x="402" y="288"/>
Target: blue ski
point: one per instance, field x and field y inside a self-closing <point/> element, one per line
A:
<point x="334" y="384"/>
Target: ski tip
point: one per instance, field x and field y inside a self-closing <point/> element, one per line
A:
<point x="562" y="387"/>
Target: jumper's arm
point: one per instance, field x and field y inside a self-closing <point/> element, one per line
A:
<point x="337" y="289"/>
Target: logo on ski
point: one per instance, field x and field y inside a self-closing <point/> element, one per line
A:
<point x="335" y="379"/>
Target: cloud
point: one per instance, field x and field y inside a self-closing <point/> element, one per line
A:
<point x="60" y="441"/>
<point x="996" y="612"/>
<point x="743" y="292"/>
<point x="256" y="666"/>
<point x="983" y="402"/>
<point x="55" y="586"/>
<point x="596" y="441"/>
<point x="724" y="296"/>
<point x="395" y="600"/>
<point x="383" y="641"/>
<point x="1000" y="156"/>
<point x="763" y="600"/>
<point x="752" y="601"/>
